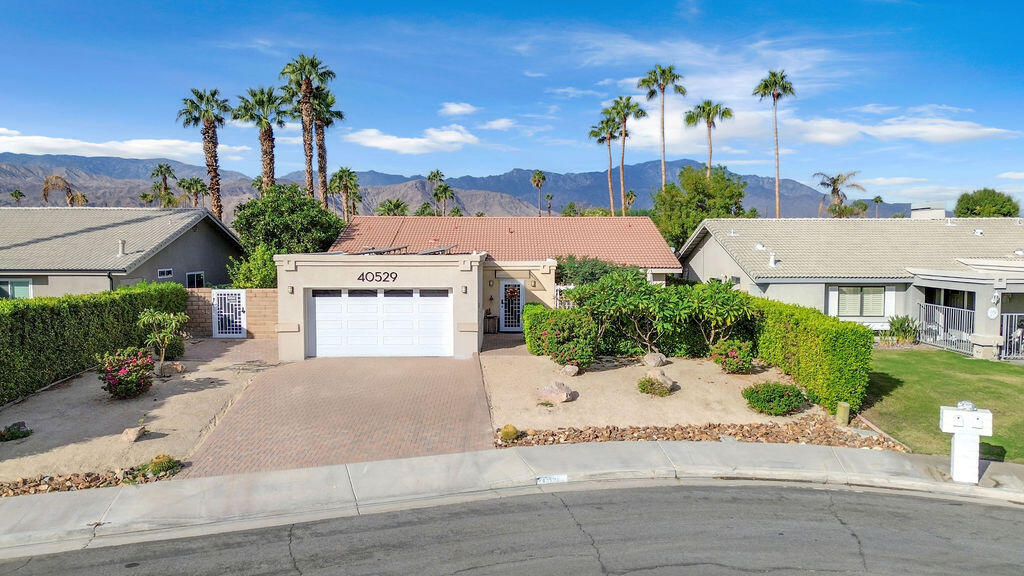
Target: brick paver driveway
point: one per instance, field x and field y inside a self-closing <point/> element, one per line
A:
<point x="337" y="410"/>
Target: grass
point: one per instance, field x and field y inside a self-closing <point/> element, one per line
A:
<point x="907" y="387"/>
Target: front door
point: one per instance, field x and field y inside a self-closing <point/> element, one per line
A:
<point x="512" y="299"/>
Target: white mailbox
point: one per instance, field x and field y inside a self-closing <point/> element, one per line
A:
<point x="967" y="424"/>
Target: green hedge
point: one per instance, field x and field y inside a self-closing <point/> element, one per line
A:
<point x="534" y="315"/>
<point x="45" y="339"/>
<point x="829" y="357"/>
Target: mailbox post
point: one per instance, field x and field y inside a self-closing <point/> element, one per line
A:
<point x="967" y="424"/>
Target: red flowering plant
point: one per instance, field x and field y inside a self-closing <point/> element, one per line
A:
<point x="734" y="356"/>
<point x="126" y="373"/>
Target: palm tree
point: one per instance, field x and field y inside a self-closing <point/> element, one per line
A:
<point x="195" y="189"/>
<point x="537" y="179"/>
<point x="442" y="194"/>
<point x="17" y="195"/>
<point x="393" y="207"/>
<point x="324" y="116"/>
<point x="479" y="214"/>
<point x="354" y="198"/>
<point x="147" y="198"/>
<point x="658" y="79"/>
<point x="304" y="74"/>
<point x="835" y="185"/>
<point x="622" y="109"/>
<point x="605" y="132"/>
<point x="857" y="208"/>
<point x="436" y="177"/>
<point x="346" y="181"/>
<point x="56" y="183"/>
<point x="877" y="200"/>
<point x="207" y="109"/>
<point x="549" y="198"/>
<point x="455" y="211"/>
<point x="78" y="198"/>
<point x="264" y="108"/>
<point x="163" y="172"/>
<point x="777" y="86"/>
<point x="630" y="199"/>
<point x="707" y="112"/>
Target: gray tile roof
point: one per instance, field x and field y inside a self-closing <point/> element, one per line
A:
<point x="859" y="247"/>
<point x="86" y="239"/>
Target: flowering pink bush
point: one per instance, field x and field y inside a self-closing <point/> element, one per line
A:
<point x="126" y="373"/>
<point x="734" y="356"/>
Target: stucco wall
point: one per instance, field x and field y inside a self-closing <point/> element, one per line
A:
<point x="59" y="285"/>
<point x="811" y="295"/>
<point x="538" y="279"/>
<point x="260" y="313"/>
<point x="710" y="261"/>
<point x="203" y="248"/>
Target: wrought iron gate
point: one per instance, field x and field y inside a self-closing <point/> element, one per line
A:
<point x="228" y="313"/>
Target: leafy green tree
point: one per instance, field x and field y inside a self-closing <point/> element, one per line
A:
<point x="622" y="109"/>
<point x="287" y="221"/>
<point x="17" y="195"/>
<point x="776" y="86"/>
<point x="583" y="270"/>
<point x="162" y="328"/>
<point x="717" y="309"/>
<point x="658" y="79"/>
<point x="442" y="194"/>
<point x="206" y="109"/>
<point x="986" y="203"/>
<point x="324" y="116"/>
<point x="537" y="179"/>
<point x="257" y="270"/>
<point x="346" y="181"/>
<point x="596" y="211"/>
<point x="709" y="113"/>
<point x="264" y="108"/>
<point x="425" y="209"/>
<point x="876" y="201"/>
<point x="855" y="209"/>
<point x="679" y="209"/>
<point x="303" y="75"/>
<point x="195" y="190"/>
<point x="393" y="207"/>
<point x="570" y="210"/>
<point x="455" y="211"/>
<point x="605" y="132"/>
<point x="836" y="186"/>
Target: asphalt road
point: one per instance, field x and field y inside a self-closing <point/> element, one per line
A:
<point x="707" y="530"/>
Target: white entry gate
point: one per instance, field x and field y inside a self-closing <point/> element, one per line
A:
<point x="228" y="313"/>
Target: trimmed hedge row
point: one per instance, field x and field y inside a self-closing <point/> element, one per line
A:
<point x="45" y="339"/>
<point x="829" y="357"/>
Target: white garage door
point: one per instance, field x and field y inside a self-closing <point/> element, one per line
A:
<point x="394" y="322"/>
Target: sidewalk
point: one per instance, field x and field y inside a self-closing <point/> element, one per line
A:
<point x="61" y="521"/>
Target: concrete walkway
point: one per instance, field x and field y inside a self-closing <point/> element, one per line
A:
<point x="63" y="521"/>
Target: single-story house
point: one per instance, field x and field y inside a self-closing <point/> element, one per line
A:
<point x="431" y="286"/>
<point x="57" y="251"/>
<point x="961" y="278"/>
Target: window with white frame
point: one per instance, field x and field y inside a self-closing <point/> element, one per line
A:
<point x="195" y="280"/>
<point x="862" y="300"/>
<point x="15" y="288"/>
<point x="165" y="273"/>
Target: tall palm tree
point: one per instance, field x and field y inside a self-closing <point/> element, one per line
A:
<point x="776" y="86"/>
<point x="709" y="113"/>
<point x="304" y="74"/>
<point x="876" y="200"/>
<point x="344" y="181"/>
<point x="537" y="179"/>
<point x="163" y="172"/>
<point x="622" y="109"/>
<point x="835" y="186"/>
<point x="195" y="189"/>
<point x="549" y="198"/>
<point x="147" y="198"/>
<point x="435" y="177"/>
<point x="354" y="198"/>
<point x="324" y="116"/>
<point x="17" y="195"/>
<point x="207" y="109"/>
<point x="164" y="199"/>
<point x="56" y="183"/>
<point x="604" y="132"/>
<point x="393" y="207"/>
<point x="658" y="79"/>
<point x="442" y="194"/>
<point x="264" y="108"/>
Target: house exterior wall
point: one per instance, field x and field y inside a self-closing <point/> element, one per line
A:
<point x="711" y="261"/>
<point x="538" y="279"/>
<point x="260" y="313"/>
<point x="811" y="295"/>
<point x="62" y="284"/>
<point x="203" y="248"/>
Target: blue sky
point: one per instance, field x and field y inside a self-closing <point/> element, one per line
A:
<point x="924" y="98"/>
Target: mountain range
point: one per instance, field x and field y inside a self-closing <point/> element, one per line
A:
<point x="109" y="181"/>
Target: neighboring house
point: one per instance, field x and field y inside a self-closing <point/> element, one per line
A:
<point x="57" y="251"/>
<point x="962" y="278"/>
<point x="431" y="286"/>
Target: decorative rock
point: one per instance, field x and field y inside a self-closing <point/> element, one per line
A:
<point x="172" y="368"/>
<point x="569" y="370"/>
<point x="131" y="435"/>
<point x="660" y="376"/>
<point x="655" y="359"/>
<point x="556" y="392"/>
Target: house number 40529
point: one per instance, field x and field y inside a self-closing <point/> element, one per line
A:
<point x="378" y="277"/>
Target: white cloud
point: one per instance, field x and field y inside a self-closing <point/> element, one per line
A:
<point x="239" y="123"/>
<point x="892" y="181"/>
<point x="936" y="110"/>
<point x="135" y="148"/>
<point x="290" y="140"/>
<point x="874" y="109"/>
<point x="498" y="124"/>
<point x="530" y="74"/>
<point x="605" y="82"/>
<point x="932" y="129"/>
<point x="457" y="109"/>
<point x="929" y="193"/>
<point x="8" y="132"/>
<point x="292" y="126"/>
<point x="444" y="139"/>
<point x="1012" y="175"/>
<point x="570" y="92"/>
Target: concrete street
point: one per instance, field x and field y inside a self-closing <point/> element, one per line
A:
<point x="726" y="528"/>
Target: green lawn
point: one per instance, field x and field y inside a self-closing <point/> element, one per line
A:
<point x="908" y="386"/>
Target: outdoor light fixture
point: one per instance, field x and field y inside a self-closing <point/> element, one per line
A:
<point x="465" y="289"/>
<point x="291" y="289"/>
<point x="491" y="298"/>
<point x="490" y="282"/>
<point x="995" y="298"/>
<point x="533" y="283"/>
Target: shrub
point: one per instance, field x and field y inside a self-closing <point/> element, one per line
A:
<point x="579" y="271"/>
<point x="569" y="336"/>
<point x="45" y="339"/>
<point x="533" y="315"/>
<point x="256" y="270"/>
<point x="774" y="398"/>
<point x="829" y="357"/>
<point x="734" y="356"/>
<point x="902" y="330"/>
<point x="163" y="463"/>
<point x="175" y="348"/>
<point x="717" y="310"/>
<point x="127" y="373"/>
<point x="14" y="432"/>
<point x="162" y="328"/>
<point x="509" y="433"/>
<point x="653" y="386"/>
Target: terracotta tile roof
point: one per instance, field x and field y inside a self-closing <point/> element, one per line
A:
<point x="633" y="240"/>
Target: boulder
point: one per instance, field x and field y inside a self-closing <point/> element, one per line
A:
<point x="133" y="434"/>
<point x="660" y="376"/>
<point x="655" y="359"/>
<point x="556" y="392"/>
<point x="569" y="370"/>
